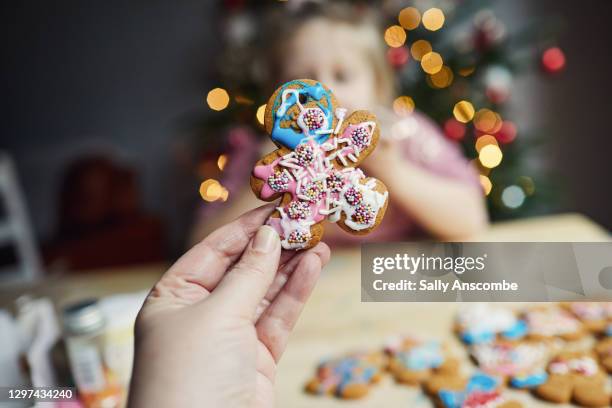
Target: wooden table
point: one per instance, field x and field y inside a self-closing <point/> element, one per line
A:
<point x="334" y="320"/>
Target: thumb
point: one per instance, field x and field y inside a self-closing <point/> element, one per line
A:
<point x="246" y="284"/>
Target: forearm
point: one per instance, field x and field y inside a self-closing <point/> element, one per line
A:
<point x="447" y="208"/>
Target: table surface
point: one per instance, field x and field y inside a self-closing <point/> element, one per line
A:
<point x="334" y="320"/>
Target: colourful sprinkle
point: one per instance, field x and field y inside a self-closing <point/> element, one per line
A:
<point x="279" y="181"/>
<point x="314" y="191"/>
<point x="299" y="237"/>
<point x="363" y="214"/>
<point x="334" y="182"/>
<point x="361" y="137"/>
<point x="314" y="118"/>
<point x="305" y="154"/>
<point x="298" y="210"/>
<point x="353" y="196"/>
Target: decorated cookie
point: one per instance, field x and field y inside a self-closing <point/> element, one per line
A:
<point x="350" y="376"/>
<point x="604" y="351"/>
<point x="521" y="364"/>
<point x="481" y="323"/>
<point x="412" y="361"/>
<point x="315" y="168"/>
<point x="577" y="377"/>
<point x="478" y="391"/>
<point x="550" y="322"/>
<point x="595" y="316"/>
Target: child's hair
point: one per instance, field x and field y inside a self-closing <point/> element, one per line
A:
<point x="279" y="26"/>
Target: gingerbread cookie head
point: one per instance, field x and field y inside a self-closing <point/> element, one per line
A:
<point x="315" y="168"/>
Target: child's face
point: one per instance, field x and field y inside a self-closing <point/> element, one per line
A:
<point x="328" y="52"/>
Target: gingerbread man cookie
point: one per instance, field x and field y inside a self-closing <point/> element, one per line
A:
<point x="604" y="351"/>
<point x="552" y="322"/>
<point x="479" y="391"/>
<point x="595" y="316"/>
<point x="521" y="364"/>
<point x="575" y="376"/>
<point x="412" y="361"/>
<point x="481" y="323"/>
<point x="348" y="377"/>
<point x="315" y="168"/>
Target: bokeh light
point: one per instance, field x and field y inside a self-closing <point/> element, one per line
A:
<point x="261" y="111"/>
<point x="465" y="72"/>
<point x="487" y="121"/>
<point x="432" y="63"/>
<point x="398" y="57"/>
<point x="507" y="132"/>
<point x="486" y="184"/>
<point x="454" y="129"/>
<point x="211" y="190"/>
<point x="433" y="19"/>
<point x="409" y="18"/>
<point x="463" y="111"/>
<point x="403" y="105"/>
<point x="217" y="99"/>
<point x="527" y="185"/>
<point x="395" y="36"/>
<point x="513" y="197"/>
<point x="420" y="48"/>
<point x="485" y="140"/>
<point x="553" y="60"/>
<point x="490" y="156"/>
<point x="443" y="78"/>
<point x="222" y="161"/>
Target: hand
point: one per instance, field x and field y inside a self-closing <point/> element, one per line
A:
<point x="213" y="329"/>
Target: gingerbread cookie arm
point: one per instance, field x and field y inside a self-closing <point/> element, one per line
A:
<point x="364" y="217"/>
<point x="356" y="138"/>
<point x="258" y="184"/>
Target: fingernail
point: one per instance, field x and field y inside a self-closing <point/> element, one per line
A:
<point x="265" y="239"/>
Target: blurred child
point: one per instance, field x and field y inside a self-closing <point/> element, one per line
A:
<point x="432" y="187"/>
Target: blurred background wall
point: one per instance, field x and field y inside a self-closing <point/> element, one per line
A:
<point x="120" y="77"/>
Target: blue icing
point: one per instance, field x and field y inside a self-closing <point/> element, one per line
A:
<point x="290" y="137"/>
<point x="529" y="381"/>
<point x="452" y="399"/>
<point x="609" y="330"/>
<point x="477" y="337"/>
<point x="423" y="357"/>
<point x="478" y="382"/>
<point x="517" y="331"/>
<point x="482" y="382"/>
<point x="346" y="371"/>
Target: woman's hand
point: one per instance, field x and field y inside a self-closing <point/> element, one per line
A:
<point x="213" y="329"/>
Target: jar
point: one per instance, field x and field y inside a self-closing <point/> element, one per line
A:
<point x="84" y="327"/>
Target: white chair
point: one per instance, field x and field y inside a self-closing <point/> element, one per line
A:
<point x="15" y="228"/>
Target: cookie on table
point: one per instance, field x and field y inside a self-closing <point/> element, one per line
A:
<point x="520" y="364"/>
<point x="478" y="391"/>
<point x="481" y="322"/>
<point x="350" y="376"/>
<point x="603" y="349"/>
<point x="575" y="377"/>
<point x="595" y="316"/>
<point x="412" y="360"/>
<point x="552" y="322"/>
<point x="315" y="169"/>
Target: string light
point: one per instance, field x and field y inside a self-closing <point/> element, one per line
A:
<point x="433" y="19"/>
<point x="490" y="156"/>
<point x="432" y="63"/>
<point x="222" y="161"/>
<point x="442" y="78"/>
<point x="513" y="197"/>
<point x="527" y="185"/>
<point x="487" y="121"/>
<point x="211" y="190"/>
<point x="487" y="186"/>
<point x="395" y="36"/>
<point x="463" y="111"/>
<point x="217" y="99"/>
<point x="403" y="105"/>
<point x="420" y="48"/>
<point x="261" y="111"/>
<point x="485" y="140"/>
<point x="409" y="18"/>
